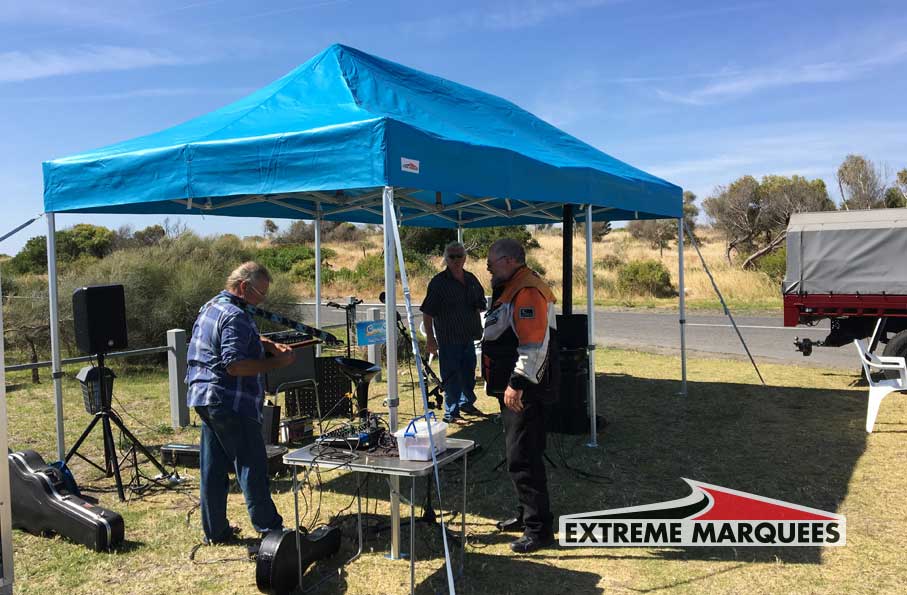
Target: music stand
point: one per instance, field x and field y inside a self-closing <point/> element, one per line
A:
<point x="97" y="387"/>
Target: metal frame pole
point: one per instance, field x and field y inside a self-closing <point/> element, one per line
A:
<point x="590" y="321"/>
<point x="56" y="366"/>
<point x="318" y="273"/>
<point x="683" y="318"/>
<point x="390" y="315"/>
<point x="6" y="530"/>
<point x="460" y="234"/>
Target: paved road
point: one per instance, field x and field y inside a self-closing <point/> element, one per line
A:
<point x="712" y="335"/>
<point x="707" y="335"/>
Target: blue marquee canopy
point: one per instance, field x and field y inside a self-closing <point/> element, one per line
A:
<point x="327" y="137"/>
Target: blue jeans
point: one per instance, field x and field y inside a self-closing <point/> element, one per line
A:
<point x="229" y="439"/>
<point x="458" y="373"/>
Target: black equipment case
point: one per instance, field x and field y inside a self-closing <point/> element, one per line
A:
<point x="42" y="504"/>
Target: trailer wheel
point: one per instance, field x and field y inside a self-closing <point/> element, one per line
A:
<point x="897" y="347"/>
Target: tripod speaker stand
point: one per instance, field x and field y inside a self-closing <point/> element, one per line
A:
<point x="108" y="418"/>
<point x="99" y="317"/>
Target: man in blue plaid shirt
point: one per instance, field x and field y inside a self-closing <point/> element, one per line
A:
<point x="226" y="360"/>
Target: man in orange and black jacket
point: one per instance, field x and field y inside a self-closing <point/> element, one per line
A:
<point x="520" y="367"/>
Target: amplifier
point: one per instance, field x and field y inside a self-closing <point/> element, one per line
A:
<point x="187" y="455"/>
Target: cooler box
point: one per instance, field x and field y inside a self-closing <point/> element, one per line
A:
<point x="413" y="440"/>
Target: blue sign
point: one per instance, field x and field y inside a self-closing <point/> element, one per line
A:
<point x="371" y="332"/>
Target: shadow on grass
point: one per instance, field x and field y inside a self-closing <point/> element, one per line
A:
<point x="486" y="573"/>
<point x="794" y="444"/>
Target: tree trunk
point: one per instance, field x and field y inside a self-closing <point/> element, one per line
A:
<point x="750" y="262"/>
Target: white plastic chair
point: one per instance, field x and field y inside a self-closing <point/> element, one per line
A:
<point x="880" y="389"/>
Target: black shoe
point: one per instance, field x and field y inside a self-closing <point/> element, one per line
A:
<point x="232" y="536"/>
<point x="452" y="419"/>
<point x="513" y="525"/>
<point x="470" y="409"/>
<point x="528" y="544"/>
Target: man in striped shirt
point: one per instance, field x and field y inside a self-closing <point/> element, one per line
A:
<point x="226" y="359"/>
<point x="450" y="311"/>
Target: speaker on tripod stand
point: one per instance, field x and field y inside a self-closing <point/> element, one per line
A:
<point x="99" y="318"/>
<point x="570" y="415"/>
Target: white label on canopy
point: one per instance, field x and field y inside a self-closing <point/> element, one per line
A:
<point x="410" y="165"/>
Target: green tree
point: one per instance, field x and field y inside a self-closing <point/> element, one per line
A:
<point x="426" y="240"/>
<point x="781" y="197"/>
<point x="478" y="240"/>
<point x="150" y="236"/>
<point x="26" y="325"/>
<point x="861" y="183"/>
<point x="690" y="212"/>
<point x="657" y="233"/>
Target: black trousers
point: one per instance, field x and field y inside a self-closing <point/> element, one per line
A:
<point x="524" y="440"/>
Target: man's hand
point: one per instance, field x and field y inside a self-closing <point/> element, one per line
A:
<point x="279" y="348"/>
<point x="513" y="399"/>
<point x="431" y="345"/>
<point x="283" y="357"/>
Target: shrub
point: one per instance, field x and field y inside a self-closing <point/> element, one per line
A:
<point x="609" y="262"/>
<point x="369" y="272"/>
<point x="536" y="266"/>
<point x="478" y="240"/>
<point x="281" y="259"/>
<point x="645" y="277"/>
<point x="426" y="240"/>
<point x="774" y="265"/>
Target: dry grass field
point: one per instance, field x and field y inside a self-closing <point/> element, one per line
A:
<point x="744" y="290"/>
<point x="801" y="439"/>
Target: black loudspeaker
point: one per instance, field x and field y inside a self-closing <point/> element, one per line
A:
<point x="99" y="317"/>
<point x="570" y="415"/>
<point x="572" y="331"/>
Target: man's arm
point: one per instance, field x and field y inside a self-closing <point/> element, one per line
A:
<point x="254" y="367"/>
<point x="237" y="333"/>
<point x="431" y="344"/>
<point x="530" y="323"/>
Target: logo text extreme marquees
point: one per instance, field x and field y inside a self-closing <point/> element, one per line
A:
<point x="710" y="516"/>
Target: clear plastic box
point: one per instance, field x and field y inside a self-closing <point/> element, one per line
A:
<point x="413" y="440"/>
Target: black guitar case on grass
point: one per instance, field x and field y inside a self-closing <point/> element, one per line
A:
<point x="42" y="504"/>
<point x="277" y="570"/>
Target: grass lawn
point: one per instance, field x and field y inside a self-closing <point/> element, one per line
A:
<point x="801" y="439"/>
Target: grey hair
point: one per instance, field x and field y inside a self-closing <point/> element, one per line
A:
<point x="509" y="247"/>
<point x="453" y="245"/>
<point x="250" y="272"/>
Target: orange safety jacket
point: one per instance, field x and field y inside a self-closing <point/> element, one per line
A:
<point x="520" y="337"/>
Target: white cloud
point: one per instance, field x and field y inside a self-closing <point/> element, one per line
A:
<point x="499" y="17"/>
<point x="740" y="84"/>
<point x="149" y="93"/>
<point x="17" y="66"/>
<point x="810" y="149"/>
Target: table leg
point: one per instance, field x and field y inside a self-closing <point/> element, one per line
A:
<point x="412" y="535"/>
<point x="463" y="521"/>
<point x="296" y="526"/>
<point x="358" y="522"/>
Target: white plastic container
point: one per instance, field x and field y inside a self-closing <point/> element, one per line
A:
<point x="413" y="440"/>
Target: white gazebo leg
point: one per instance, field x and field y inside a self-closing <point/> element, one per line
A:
<point x="460" y="234"/>
<point x="318" y="274"/>
<point x="390" y="316"/>
<point x="590" y="338"/>
<point x="56" y="365"/>
<point x="683" y="317"/>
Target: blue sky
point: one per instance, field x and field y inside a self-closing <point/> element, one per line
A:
<point x="699" y="93"/>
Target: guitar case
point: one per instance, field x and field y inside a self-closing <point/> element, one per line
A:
<point x="42" y="504"/>
<point x="277" y="570"/>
